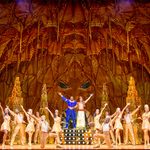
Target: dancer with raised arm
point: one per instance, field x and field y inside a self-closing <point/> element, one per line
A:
<point x="106" y="127"/>
<point x="45" y="132"/>
<point x="37" y="128"/>
<point x="57" y="123"/>
<point x="97" y="116"/>
<point x="97" y="125"/>
<point x="5" y="127"/>
<point x="30" y="127"/>
<point x="111" y="129"/>
<point x="81" y="112"/>
<point x="70" y="112"/>
<point x="118" y="125"/>
<point x="146" y="124"/>
<point x="128" y="125"/>
<point x="18" y="118"/>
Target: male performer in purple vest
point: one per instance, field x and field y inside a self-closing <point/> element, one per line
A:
<point x="70" y="112"/>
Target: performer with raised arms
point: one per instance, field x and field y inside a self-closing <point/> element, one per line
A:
<point x="146" y="124"/>
<point x="46" y="131"/>
<point x="18" y="118"/>
<point x="37" y="129"/>
<point x="106" y="127"/>
<point x="57" y="124"/>
<point x="70" y="112"/>
<point x="5" y="127"/>
<point x="30" y="127"/>
<point x="118" y="125"/>
<point x="81" y="112"/>
<point x="128" y="125"/>
<point x="111" y="129"/>
<point x="97" y="116"/>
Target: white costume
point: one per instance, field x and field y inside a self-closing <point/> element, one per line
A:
<point x="6" y="124"/>
<point x="30" y="127"/>
<point x="81" y="116"/>
<point x="57" y="125"/>
<point x="146" y="123"/>
<point x="97" y="123"/>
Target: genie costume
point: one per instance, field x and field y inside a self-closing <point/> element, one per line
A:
<point x="70" y="113"/>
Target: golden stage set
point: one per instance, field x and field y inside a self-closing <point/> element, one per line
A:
<point x="51" y="48"/>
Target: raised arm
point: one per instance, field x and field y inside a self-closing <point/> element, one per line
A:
<point x="11" y="112"/>
<point x="63" y="97"/>
<point x="113" y="115"/>
<point x="88" y="98"/>
<point x="124" y="109"/>
<point x="27" y="115"/>
<point x="113" y="120"/>
<point x="34" y="117"/>
<point x="135" y="111"/>
<point x="49" y="112"/>
<point x="102" y="110"/>
<point x="2" y="110"/>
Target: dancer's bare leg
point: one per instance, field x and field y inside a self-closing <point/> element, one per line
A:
<point x="126" y="134"/>
<point x="118" y="138"/>
<point x="146" y="137"/>
<point x="112" y="136"/>
<point x="16" y="130"/>
<point x="57" y="138"/>
<point x="44" y="136"/>
<point x="36" y="135"/>
<point x="4" y="138"/>
<point x="132" y="134"/>
<point x="30" y="138"/>
<point x="107" y="139"/>
<point x="96" y="137"/>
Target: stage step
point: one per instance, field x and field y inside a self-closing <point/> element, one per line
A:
<point x="76" y="137"/>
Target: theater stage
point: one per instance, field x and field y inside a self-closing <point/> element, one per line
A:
<point x="51" y="146"/>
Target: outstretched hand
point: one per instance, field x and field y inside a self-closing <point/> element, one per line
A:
<point x="91" y="94"/>
<point x="128" y="104"/>
<point x="46" y="108"/>
<point x="105" y="104"/>
<point x="59" y="93"/>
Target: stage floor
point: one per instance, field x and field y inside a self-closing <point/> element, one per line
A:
<point x="51" y="146"/>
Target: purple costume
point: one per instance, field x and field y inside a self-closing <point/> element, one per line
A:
<point x="70" y="113"/>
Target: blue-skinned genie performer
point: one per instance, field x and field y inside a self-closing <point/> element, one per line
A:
<point x="70" y="112"/>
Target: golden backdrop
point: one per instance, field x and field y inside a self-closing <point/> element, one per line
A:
<point x="75" y="47"/>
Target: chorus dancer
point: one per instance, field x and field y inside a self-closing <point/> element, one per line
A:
<point x="111" y="129"/>
<point x="70" y="112"/>
<point x="45" y="132"/>
<point x="97" y="125"/>
<point x="5" y="127"/>
<point x="18" y="118"/>
<point x="57" y="123"/>
<point x="81" y="112"/>
<point x="106" y="127"/>
<point x="30" y="127"/>
<point x="146" y="124"/>
<point x="37" y="129"/>
<point x="97" y="117"/>
<point x="129" y="126"/>
<point x="118" y="125"/>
